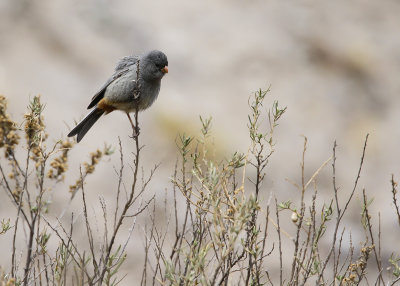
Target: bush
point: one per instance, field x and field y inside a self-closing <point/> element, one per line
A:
<point x="223" y="236"/>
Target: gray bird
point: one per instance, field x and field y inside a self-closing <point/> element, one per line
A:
<point x="134" y="85"/>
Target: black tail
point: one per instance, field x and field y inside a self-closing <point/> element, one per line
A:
<point x="83" y="127"/>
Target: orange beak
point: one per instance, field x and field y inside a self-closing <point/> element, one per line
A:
<point x="164" y="69"/>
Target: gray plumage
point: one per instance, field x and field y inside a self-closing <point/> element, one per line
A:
<point x="135" y="84"/>
<point x="83" y="127"/>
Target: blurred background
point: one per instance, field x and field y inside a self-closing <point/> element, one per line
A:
<point x="334" y="64"/>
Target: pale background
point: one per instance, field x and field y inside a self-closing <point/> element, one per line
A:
<point x="334" y="64"/>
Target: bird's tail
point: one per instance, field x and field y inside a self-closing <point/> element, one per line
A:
<point x="83" y="127"/>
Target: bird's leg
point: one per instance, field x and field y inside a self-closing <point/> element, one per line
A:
<point x="134" y="128"/>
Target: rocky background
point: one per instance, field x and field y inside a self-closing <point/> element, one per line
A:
<point x="334" y="64"/>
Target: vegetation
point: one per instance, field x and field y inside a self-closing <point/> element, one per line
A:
<point x="225" y="234"/>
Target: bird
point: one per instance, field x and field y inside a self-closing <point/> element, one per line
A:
<point x="133" y="87"/>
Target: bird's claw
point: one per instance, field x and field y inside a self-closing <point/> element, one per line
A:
<point x="136" y="131"/>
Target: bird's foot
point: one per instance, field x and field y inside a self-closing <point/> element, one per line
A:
<point x="135" y="132"/>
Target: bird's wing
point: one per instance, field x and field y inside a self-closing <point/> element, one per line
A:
<point x="121" y="69"/>
<point x="125" y="62"/>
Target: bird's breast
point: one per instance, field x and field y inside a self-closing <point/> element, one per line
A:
<point x="127" y="94"/>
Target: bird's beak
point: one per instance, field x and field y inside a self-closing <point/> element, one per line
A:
<point x="164" y="69"/>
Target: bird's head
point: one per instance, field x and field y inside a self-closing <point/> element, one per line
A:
<point x="153" y="65"/>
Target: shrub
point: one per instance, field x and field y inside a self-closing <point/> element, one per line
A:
<point x="224" y="235"/>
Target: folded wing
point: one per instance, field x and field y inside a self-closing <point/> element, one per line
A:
<point x="122" y="68"/>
